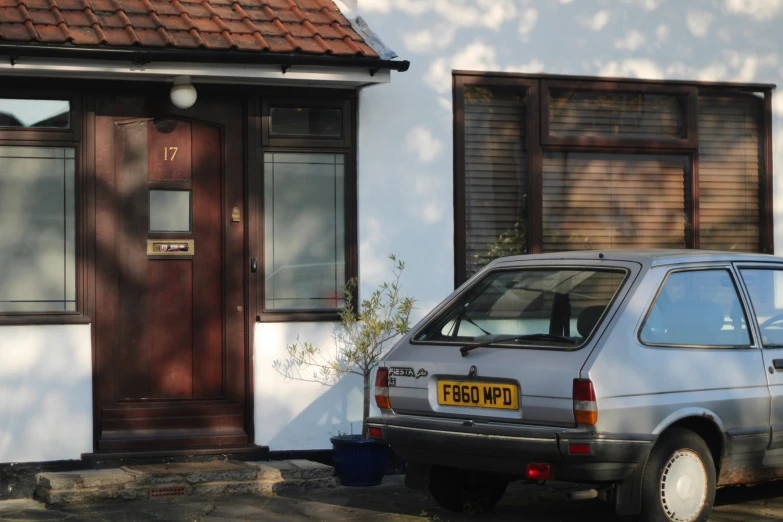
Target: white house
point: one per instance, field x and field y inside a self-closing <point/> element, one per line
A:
<point x="157" y="259"/>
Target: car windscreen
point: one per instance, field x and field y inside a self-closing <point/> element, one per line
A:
<point x="539" y="305"/>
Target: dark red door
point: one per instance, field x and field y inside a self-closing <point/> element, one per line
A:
<point x="162" y="336"/>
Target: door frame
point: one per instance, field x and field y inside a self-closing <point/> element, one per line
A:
<point x="216" y="109"/>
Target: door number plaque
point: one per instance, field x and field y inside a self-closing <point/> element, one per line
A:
<point x="170" y="247"/>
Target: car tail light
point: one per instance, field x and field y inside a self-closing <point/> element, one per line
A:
<point x="375" y="432"/>
<point x="579" y="449"/>
<point x="382" y="389"/>
<point x="585" y="407"/>
<point x="539" y="472"/>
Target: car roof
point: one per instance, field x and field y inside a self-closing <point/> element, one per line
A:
<point x="647" y="257"/>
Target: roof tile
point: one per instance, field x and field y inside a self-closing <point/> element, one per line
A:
<point x="163" y="7"/>
<point x="84" y="36"/>
<point x="17" y="32"/>
<point x="76" y="19"/>
<point x="11" y="16"/>
<point x="279" y="26"/>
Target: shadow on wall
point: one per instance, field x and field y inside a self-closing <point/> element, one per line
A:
<point x="45" y="385"/>
<point x="297" y="415"/>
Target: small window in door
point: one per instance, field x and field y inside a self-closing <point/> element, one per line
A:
<point x="697" y="308"/>
<point x="170" y="211"/>
<point x="765" y="287"/>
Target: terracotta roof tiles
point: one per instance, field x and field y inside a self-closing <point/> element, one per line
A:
<point x="278" y="26"/>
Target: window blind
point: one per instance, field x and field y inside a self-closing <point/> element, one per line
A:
<point x="615" y="114"/>
<point x="730" y="172"/>
<point x="496" y="174"/>
<point x="600" y="201"/>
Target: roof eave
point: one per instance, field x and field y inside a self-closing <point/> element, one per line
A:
<point x="148" y="55"/>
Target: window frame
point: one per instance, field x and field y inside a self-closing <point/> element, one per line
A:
<point x="269" y="140"/>
<point x="740" y="297"/>
<point x="304" y="144"/>
<point x="540" y="143"/>
<point x="67" y="138"/>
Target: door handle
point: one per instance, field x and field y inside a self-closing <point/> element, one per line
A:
<point x="254" y="265"/>
<point x="778" y="364"/>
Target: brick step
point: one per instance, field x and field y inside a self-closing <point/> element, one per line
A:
<point x="182" y="479"/>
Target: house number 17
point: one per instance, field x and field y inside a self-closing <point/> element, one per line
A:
<point x="169" y="151"/>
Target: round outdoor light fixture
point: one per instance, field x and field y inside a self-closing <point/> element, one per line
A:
<point x="183" y="94"/>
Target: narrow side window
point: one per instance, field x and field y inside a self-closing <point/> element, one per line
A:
<point x="765" y="287"/>
<point x="697" y="308"/>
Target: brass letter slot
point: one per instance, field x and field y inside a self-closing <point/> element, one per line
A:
<point x="170" y="247"/>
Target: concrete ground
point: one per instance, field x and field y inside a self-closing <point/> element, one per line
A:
<point x="388" y="502"/>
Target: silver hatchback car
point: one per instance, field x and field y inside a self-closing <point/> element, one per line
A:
<point x="658" y="374"/>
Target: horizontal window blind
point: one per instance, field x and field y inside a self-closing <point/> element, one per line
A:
<point x="496" y="175"/>
<point x="615" y="114"/>
<point x="601" y="201"/>
<point x="730" y="172"/>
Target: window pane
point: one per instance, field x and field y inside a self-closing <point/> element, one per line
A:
<point x="37" y="229"/>
<point x="306" y="121"/>
<point x="698" y="308"/>
<point x="304" y="231"/>
<point x="170" y="211"/>
<point x="496" y="175"/>
<point x="616" y="114"/>
<point x="568" y="302"/>
<point x="731" y="162"/>
<point x="594" y="201"/>
<point x="766" y="293"/>
<point x="43" y="114"/>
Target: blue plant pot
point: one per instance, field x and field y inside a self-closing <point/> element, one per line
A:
<point x="359" y="462"/>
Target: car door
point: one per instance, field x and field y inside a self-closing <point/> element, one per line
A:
<point x="763" y="283"/>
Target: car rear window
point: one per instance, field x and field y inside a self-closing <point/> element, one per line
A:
<point x="545" y="302"/>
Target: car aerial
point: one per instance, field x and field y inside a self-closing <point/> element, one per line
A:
<point x="655" y="374"/>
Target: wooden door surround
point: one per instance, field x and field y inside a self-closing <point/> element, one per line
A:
<point x="170" y="328"/>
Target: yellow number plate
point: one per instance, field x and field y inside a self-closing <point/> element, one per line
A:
<point x="478" y="395"/>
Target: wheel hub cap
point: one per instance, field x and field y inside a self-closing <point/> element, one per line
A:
<point x="683" y="486"/>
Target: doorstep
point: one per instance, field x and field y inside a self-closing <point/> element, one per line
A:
<point x="182" y="479"/>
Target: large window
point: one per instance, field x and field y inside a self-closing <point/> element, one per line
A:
<point x="546" y="164"/>
<point x="533" y="307"/>
<point x="37" y="229"/>
<point x="39" y="265"/>
<point x="308" y="198"/>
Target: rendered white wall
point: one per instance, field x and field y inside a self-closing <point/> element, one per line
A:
<point x="405" y="137"/>
<point x="45" y="393"/>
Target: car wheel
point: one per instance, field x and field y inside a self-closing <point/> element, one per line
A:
<point x="464" y="491"/>
<point x="678" y="484"/>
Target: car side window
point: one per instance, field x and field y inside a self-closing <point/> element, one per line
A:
<point x="697" y="308"/>
<point x="765" y="287"/>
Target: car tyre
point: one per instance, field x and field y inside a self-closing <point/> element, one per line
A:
<point x="678" y="484"/>
<point x="463" y="491"/>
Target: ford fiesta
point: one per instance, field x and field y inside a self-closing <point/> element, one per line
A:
<point x="658" y="374"/>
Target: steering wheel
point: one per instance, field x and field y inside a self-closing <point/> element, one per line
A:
<point x="771" y="321"/>
<point x="769" y="326"/>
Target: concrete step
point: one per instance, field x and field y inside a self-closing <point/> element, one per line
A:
<point x="182" y="479"/>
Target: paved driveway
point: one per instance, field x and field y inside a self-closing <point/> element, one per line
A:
<point x="389" y="502"/>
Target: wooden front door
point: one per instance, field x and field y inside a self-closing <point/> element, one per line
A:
<point x="165" y="379"/>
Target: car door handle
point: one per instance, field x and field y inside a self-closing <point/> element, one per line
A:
<point x="778" y="364"/>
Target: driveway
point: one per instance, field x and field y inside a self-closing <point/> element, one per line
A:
<point x="389" y="502"/>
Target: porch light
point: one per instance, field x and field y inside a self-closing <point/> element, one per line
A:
<point x="183" y="94"/>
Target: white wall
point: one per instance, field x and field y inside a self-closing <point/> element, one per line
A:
<point x="405" y="136"/>
<point x="45" y="393"/>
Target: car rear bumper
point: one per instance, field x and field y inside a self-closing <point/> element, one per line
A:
<point x="508" y="449"/>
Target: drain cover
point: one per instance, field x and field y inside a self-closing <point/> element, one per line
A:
<point x="167" y="491"/>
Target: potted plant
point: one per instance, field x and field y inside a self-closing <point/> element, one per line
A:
<point x="365" y="333"/>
